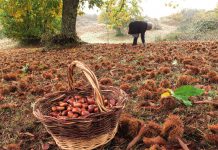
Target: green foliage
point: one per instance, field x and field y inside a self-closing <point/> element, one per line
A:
<point x="184" y="92"/>
<point x="194" y="25"/>
<point x="207" y="25"/>
<point x="1" y="34"/>
<point x="119" y="13"/>
<point x="28" y="20"/>
<point x="172" y="37"/>
<point x="25" y="68"/>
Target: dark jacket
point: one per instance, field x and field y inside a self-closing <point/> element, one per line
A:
<point x="137" y="27"/>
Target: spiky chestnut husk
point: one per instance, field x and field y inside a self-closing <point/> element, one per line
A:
<point x="187" y="61"/>
<point x="211" y="74"/>
<point x="47" y="75"/>
<point x="137" y="76"/>
<point x="186" y="80"/>
<point x="23" y="85"/>
<point x="193" y="70"/>
<point x="4" y="91"/>
<point x="129" y="126"/>
<point x="10" y="77"/>
<point x="106" y="81"/>
<point x="37" y="91"/>
<point x="97" y="67"/>
<point x="164" y="70"/>
<point x="151" y="83"/>
<point x="165" y="83"/>
<point x="129" y="77"/>
<point x="212" y="138"/>
<point x="12" y="88"/>
<point x="80" y="84"/>
<point x="159" y="59"/>
<point x="213" y="128"/>
<point x="152" y="74"/>
<point x="145" y="94"/>
<point x="28" y="78"/>
<point x="128" y="70"/>
<point x="152" y="129"/>
<point x="168" y="103"/>
<point x="126" y="87"/>
<point x="214" y="79"/>
<point x="173" y="128"/>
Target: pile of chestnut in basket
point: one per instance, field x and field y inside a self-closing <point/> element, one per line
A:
<point x="78" y="107"/>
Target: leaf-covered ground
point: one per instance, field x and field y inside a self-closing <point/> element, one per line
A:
<point x="144" y="73"/>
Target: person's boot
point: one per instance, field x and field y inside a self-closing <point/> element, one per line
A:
<point x="144" y="45"/>
<point x="134" y="41"/>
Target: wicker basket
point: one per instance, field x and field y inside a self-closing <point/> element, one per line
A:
<point x="82" y="133"/>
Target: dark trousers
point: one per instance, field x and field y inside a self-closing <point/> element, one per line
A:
<point x="135" y="38"/>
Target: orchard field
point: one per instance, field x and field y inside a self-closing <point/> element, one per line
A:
<point x="144" y="73"/>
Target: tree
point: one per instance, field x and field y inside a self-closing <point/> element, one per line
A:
<point x="69" y="16"/>
<point x="29" y="20"/>
<point x="118" y="14"/>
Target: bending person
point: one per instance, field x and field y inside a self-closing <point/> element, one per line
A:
<point x="139" y="27"/>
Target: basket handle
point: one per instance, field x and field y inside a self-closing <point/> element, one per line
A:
<point x="92" y="80"/>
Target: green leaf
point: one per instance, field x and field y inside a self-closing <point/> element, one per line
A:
<point x="188" y="90"/>
<point x="187" y="103"/>
<point x="184" y="99"/>
<point x="184" y="92"/>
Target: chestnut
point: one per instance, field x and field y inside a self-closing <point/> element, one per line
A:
<point x="85" y="105"/>
<point x="70" y="101"/>
<point x="60" y="108"/>
<point x="90" y="101"/>
<point x="54" y="108"/>
<point x="91" y="108"/>
<point x="69" y="108"/>
<point x="62" y="104"/>
<point x="76" y="110"/>
<point x="70" y="114"/>
<point x="85" y="113"/>
<point x="64" y="113"/>
<point x="96" y="110"/>
<point x="77" y="104"/>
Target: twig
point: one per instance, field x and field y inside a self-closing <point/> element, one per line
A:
<point x="182" y="144"/>
<point x="207" y="102"/>
<point x="137" y="138"/>
<point x="213" y="113"/>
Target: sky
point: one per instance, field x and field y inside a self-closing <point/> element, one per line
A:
<point x="157" y="8"/>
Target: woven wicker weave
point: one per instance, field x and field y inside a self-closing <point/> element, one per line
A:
<point x="82" y="133"/>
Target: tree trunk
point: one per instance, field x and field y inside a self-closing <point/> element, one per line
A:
<point x="69" y="15"/>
